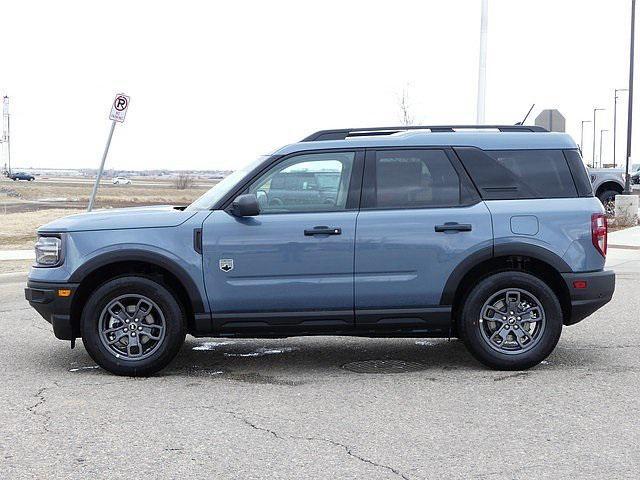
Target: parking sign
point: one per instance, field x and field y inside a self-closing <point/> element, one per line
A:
<point x="119" y="108"/>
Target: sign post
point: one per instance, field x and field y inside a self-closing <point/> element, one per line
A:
<point x="118" y="112"/>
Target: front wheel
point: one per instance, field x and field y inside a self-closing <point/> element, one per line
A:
<point x="132" y="326"/>
<point x="511" y="321"/>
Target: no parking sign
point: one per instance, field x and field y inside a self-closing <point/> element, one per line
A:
<point x="119" y="108"/>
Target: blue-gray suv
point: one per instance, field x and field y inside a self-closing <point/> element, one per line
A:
<point x="489" y="234"/>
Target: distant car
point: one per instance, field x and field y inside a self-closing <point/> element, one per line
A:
<point x="121" y="181"/>
<point x="21" y="176"/>
<point x="635" y="177"/>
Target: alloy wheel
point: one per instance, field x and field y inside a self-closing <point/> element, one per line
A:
<point x="512" y="321"/>
<point x="132" y="327"/>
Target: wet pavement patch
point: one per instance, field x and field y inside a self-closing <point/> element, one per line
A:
<point x="211" y="345"/>
<point x="259" y="379"/>
<point x="383" y="366"/>
<point x="77" y="369"/>
<point x="259" y="352"/>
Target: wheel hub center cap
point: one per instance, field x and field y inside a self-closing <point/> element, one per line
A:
<point x="512" y="320"/>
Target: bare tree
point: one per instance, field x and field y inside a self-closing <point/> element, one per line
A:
<point x="183" y="181"/>
<point x="405" y="107"/>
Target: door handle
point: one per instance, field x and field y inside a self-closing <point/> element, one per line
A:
<point x="453" y="227"/>
<point x="323" y="231"/>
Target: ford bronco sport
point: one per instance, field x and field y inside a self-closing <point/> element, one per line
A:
<point x="490" y="234"/>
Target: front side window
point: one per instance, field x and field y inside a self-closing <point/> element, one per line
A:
<point x="414" y="179"/>
<point x="314" y="182"/>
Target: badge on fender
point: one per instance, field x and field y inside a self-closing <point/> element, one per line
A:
<point x="226" y="264"/>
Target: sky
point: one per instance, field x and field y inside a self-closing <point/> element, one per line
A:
<point x="215" y="84"/>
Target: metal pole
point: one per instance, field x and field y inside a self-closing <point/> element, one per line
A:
<point x="9" y="142"/>
<point x="582" y="136"/>
<point x="615" y="117"/>
<point x="593" y="150"/>
<point x="601" y="132"/>
<point x="627" y="185"/>
<point x="7" y="133"/>
<point x="104" y="157"/>
<point x="482" y="64"/>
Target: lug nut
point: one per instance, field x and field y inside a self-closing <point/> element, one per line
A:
<point x="133" y="334"/>
<point x="140" y="327"/>
<point x="515" y="326"/>
<point x="126" y="321"/>
<point x="519" y="318"/>
<point x="126" y="329"/>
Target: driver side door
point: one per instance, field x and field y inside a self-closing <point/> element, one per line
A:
<point x="291" y="266"/>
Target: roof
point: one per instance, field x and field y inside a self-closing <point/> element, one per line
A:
<point x="486" y="140"/>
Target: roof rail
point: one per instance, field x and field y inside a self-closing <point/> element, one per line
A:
<point x="343" y="133"/>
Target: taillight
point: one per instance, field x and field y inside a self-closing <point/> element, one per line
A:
<point x="599" y="233"/>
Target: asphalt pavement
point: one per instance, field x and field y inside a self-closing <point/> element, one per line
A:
<point x="294" y="408"/>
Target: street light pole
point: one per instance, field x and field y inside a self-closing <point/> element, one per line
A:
<point x="627" y="185"/>
<point x="482" y="63"/>
<point x="582" y="136"/>
<point x="7" y="129"/>
<point x="601" y="132"/>
<point x="593" y="150"/>
<point x="615" y="116"/>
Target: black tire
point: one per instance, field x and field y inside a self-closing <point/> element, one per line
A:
<point x="608" y="198"/>
<point x="167" y="348"/>
<point x="470" y="325"/>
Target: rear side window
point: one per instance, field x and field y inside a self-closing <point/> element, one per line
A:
<point x="519" y="174"/>
<point x="412" y="179"/>
<point x="579" y="172"/>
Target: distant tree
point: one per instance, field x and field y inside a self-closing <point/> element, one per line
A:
<point x="183" y="181"/>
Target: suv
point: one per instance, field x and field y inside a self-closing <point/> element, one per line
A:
<point x="21" y="176"/>
<point x="492" y="236"/>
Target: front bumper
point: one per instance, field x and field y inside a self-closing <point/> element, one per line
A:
<point x="584" y="301"/>
<point x="54" y="308"/>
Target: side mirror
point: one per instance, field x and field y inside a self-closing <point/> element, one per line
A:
<point x="245" y="206"/>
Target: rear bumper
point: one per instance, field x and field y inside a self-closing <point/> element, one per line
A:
<point x="584" y="301"/>
<point x="56" y="310"/>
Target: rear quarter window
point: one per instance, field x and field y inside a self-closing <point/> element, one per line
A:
<point x="519" y="174"/>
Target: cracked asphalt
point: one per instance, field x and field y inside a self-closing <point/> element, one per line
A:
<point x="288" y="409"/>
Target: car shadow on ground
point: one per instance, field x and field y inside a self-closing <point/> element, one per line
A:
<point x="295" y="361"/>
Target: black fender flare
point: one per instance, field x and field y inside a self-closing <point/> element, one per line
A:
<point x="501" y="250"/>
<point x="153" y="258"/>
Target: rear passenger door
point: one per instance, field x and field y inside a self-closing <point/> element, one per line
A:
<point x="420" y="218"/>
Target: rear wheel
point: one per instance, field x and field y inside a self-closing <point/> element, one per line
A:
<point x="608" y="200"/>
<point x="132" y="326"/>
<point x="511" y="321"/>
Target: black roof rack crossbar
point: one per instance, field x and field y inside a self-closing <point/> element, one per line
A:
<point x="342" y="133"/>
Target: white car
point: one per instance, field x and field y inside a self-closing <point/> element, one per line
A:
<point x="121" y="181"/>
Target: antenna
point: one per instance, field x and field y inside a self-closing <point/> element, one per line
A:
<point x="526" y="116"/>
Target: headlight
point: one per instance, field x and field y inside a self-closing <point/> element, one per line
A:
<point x="48" y="251"/>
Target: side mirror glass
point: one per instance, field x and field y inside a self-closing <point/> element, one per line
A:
<point x="245" y="206"/>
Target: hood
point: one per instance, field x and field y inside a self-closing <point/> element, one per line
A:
<point x="119" y="218"/>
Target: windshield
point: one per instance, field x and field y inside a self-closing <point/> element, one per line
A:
<point x="218" y="191"/>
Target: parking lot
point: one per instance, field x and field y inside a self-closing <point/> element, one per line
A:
<point x="289" y="408"/>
